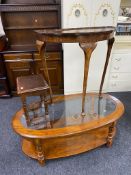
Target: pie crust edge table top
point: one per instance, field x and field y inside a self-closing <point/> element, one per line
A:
<point x="73" y="35"/>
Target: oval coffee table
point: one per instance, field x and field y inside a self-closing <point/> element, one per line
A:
<point x="66" y="132"/>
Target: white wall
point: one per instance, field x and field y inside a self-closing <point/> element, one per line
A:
<point x="125" y="3"/>
<point x="73" y="55"/>
<point x="91" y="15"/>
<point x="1" y="28"/>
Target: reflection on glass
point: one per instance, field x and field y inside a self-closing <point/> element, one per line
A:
<point x="68" y="112"/>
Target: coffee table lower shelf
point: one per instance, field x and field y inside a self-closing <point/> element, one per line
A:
<point x="68" y="145"/>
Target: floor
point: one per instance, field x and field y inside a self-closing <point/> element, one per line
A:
<point x="101" y="161"/>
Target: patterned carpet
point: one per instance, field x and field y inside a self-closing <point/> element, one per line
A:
<point x="101" y="161"/>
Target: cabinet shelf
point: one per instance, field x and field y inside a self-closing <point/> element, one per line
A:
<point x="29" y="27"/>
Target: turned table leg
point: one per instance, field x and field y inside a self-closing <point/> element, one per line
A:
<point x="23" y="98"/>
<point x="46" y="103"/>
<point x="111" y="134"/>
<point x="39" y="151"/>
<point x="88" y="48"/>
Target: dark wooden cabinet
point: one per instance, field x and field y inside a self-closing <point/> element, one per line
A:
<point x="20" y="19"/>
<point x="4" y="86"/>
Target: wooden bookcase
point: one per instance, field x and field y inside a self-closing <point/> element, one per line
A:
<point x="19" y="22"/>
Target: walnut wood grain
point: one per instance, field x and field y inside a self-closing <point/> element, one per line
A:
<point x="73" y="35"/>
<point x="67" y="146"/>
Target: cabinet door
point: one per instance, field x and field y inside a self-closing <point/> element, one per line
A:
<point x="2" y="68"/>
<point x="105" y="12"/>
<point x="76" y="13"/>
<point x="119" y="86"/>
<point x="120" y="72"/>
<point x="4" y="89"/>
<point x="21" y="21"/>
<point x="16" y="68"/>
<point x="55" y="69"/>
<point x="121" y="63"/>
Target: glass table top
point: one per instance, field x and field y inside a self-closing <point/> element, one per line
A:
<point x="68" y="112"/>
